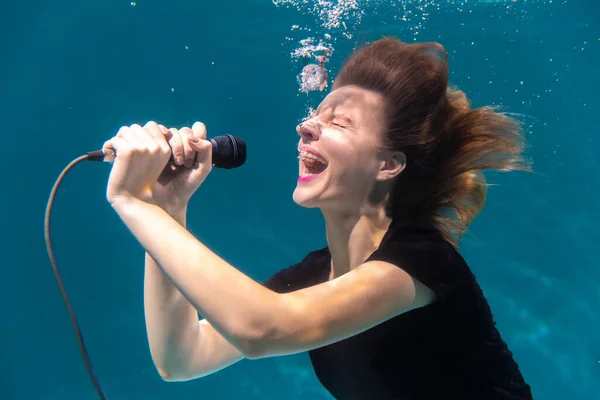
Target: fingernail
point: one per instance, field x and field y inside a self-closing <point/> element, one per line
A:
<point x="163" y="129"/>
<point x="195" y="139"/>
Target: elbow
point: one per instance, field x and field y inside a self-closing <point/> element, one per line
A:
<point x="171" y="376"/>
<point x="177" y="376"/>
<point x="253" y="349"/>
<point x="269" y="335"/>
<point x="250" y="346"/>
<point x="175" y="373"/>
<point x="165" y="375"/>
<point x="255" y="341"/>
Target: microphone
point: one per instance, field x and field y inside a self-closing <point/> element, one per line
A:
<point x="227" y="152"/>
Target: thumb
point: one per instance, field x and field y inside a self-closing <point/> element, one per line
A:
<point x="203" y="149"/>
<point x="199" y="130"/>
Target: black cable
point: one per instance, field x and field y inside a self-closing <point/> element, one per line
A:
<point x="91" y="156"/>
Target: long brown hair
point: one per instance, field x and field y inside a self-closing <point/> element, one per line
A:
<point x="447" y="143"/>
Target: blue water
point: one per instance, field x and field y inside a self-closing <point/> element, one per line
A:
<point x="73" y="72"/>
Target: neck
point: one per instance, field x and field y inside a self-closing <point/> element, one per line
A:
<point x="352" y="238"/>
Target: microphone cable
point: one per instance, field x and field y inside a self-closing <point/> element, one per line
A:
<point x="227" y="152"/>
<point x="91" y="156"/>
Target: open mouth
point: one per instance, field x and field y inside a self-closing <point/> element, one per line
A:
<point x="311" y="164"/>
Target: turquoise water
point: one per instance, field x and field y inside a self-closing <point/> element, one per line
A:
<point x="73" y="72"/>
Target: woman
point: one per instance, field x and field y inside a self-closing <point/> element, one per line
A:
<point x="389" y="309"/>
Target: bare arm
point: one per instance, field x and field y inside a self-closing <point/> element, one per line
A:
<point x="259" y="322"/>
<point x="238" y="307"/>
<point x="182" y="347"/>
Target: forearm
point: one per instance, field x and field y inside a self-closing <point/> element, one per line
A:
<point x="171" y="320"/>
<point x="239" y="308"/>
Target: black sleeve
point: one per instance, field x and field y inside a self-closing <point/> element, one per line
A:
<point x="429" y="259"/>
<point x="307" y="272"/>
<point x="280" y="281"/>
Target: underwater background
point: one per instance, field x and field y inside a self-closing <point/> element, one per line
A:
<point x="73" y="72"/>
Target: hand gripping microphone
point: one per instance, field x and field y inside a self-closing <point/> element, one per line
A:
<point x="227" y="152"/>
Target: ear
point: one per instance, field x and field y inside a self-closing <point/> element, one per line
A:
<point x="391" y="166"/>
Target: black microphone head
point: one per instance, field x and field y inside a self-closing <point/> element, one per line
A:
<point x="228" y="151"/>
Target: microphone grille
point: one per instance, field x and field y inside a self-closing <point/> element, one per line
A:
<point x="228" y="151"/>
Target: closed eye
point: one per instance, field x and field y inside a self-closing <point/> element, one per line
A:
<point x="341" y="124"/>
<point x="341" y="121"/>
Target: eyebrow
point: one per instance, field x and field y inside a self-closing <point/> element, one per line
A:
<point x="336" y="114"/>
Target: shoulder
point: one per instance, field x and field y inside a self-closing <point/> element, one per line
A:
<point x="307" y="272"/>
<point x="427" y="257"/>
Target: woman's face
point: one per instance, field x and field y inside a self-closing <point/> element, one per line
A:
<point x="340" y="157"/>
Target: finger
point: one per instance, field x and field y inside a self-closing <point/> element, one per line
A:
<point x="159" y="138"/>
<point x="117" y="145"/>
<point x="126" y="133"/>
<point x="128" y="140"/>
<point x="199" y="130"/>
<point x="176" y="143"/>
<point x="149" y="144"/>
<point x="189" y="154"/>
<point x="109" y="151"/>
<point x="204" y="152"/>
<point x="168" y="134"/>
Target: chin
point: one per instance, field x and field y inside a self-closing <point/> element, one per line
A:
<point x="309" y="189"/>
<point x="304" y="198"/>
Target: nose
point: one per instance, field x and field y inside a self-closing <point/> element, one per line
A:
<point x="308" y="131"/>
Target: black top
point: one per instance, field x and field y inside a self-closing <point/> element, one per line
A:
<point x="449" y="349"/>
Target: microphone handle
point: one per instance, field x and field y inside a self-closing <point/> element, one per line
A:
<point x="109" y="155"/>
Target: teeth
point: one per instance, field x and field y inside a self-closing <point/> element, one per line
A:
<point x="304" y="154"/>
